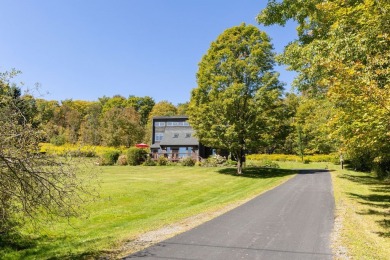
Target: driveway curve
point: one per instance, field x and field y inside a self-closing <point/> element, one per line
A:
<point x="292" y="221"/>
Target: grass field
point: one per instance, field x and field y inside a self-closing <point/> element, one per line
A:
<point x="362" y="224"/>
<point x="134" y="200"/>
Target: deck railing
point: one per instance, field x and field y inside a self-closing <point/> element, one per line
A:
<point x="174" y="157"/>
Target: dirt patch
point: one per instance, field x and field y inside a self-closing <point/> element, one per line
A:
<point x="339" y="251"/>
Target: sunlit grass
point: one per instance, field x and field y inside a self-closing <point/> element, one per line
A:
<point x="134" y="200"/>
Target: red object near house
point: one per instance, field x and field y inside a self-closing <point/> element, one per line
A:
<point x="141" y="145"/>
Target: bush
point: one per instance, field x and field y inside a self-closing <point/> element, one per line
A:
<point x="188" y="161"/>
<point x="136" y="156"/>
<point x="149" y="162"/>
<point x="230" y="162"/>
<point x="109" y="158"/>
<point x="58" y="140"/>
<point x="269" y="164"/>
<point x="214" y="161"/>
<point x="333" y="157"/>
<point x="162" y="161"/>
<point x="122" y="160"/>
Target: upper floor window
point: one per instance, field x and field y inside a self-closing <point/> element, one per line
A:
<point x="178" y="124"/>
<point x="158" y="137"/>
<point x="159" y="123"/>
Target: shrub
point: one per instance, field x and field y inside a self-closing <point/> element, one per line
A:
<point x="188" y="161"/>
<point x="162" y="161"/>
<point x="149" y="162"/>
<point x="136" y="156"/>
<point x="214" y="161"/>
<point x="58" y="140"/>
<point x="122" y="160"/>
<point x="269" y="164"/>
<point x="109" y="158"/>
<point x="306" y="161"/>
<point x="230" y="162"/>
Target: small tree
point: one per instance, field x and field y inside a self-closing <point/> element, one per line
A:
<point x="31" y="182"/>
<point x="236" y="88"/>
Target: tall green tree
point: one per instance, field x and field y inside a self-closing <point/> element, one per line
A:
<point x="143" y="105"/>
<point x="236" y="87"/>
<point x="90" y="126"/>
<point x="343" y="53"/>
<point x="121" y="126"/>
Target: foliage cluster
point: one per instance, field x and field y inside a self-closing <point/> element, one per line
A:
<point x="215" y="161"/>
<point x="264" y="164"/>
<point x="342" y="56"/>
<point x="79" y="150"/>
<point x="333" y="158"/>
<point x="136" y="156"/>
<point x="109" y="158"/>
<point x="188" y="161"/>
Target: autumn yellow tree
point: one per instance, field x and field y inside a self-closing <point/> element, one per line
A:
<point x="343" y="53"/>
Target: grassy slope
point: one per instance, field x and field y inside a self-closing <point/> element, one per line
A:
<point x="363" y="207"/>
<point x="135" y="200"/>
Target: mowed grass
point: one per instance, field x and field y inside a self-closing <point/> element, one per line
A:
<point x="363" y="204"/>
<point x="362" y="224"/>
<point x="134" y="200"/>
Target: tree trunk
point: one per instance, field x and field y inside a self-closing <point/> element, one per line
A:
<point x="239" y="165"/>
<point x="240" y="161"/>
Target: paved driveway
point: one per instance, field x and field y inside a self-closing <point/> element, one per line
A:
<point x="292" y="221"/>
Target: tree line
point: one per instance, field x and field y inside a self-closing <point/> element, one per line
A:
<point x="119" y="121"/>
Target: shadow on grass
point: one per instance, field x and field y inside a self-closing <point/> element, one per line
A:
<point x="15" y="241"/>
<point x="257" y="172"/>
<point x="377" y="202"/>
<point x="366" y="179"/>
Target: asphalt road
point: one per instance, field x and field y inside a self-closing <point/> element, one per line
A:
<point x="292" y="221"/>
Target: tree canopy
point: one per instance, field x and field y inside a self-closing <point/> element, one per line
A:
<point x="236" y="86"/>
<point x="343" y="53"/>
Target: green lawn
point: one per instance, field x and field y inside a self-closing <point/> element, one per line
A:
<point x="134" y="200"/>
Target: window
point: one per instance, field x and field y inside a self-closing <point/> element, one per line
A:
<point x="158" y="137"/>
<point x="159" y="123"/>
<point x="178" y="124"/>
<point x="175" y="135"/>
<point x="188" y="135"/>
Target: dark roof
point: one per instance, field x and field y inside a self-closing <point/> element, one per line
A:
<point x="180" y="138"/>
<point x="170" y="117"/>
<point x="155" y="146"/>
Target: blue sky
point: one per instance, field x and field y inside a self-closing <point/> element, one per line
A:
<point x="90" y="48"/>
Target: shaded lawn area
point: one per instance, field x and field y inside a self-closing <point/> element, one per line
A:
<point x="135" y="200"/>
<point x="364" y="202"/>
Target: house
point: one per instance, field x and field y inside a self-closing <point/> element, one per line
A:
<point x="173" y="137"/>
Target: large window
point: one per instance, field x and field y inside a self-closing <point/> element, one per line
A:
<point x="158" y="137"/>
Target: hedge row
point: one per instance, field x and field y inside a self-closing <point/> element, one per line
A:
<point x="80" y="150"/>
<point x="333" y="158"/>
